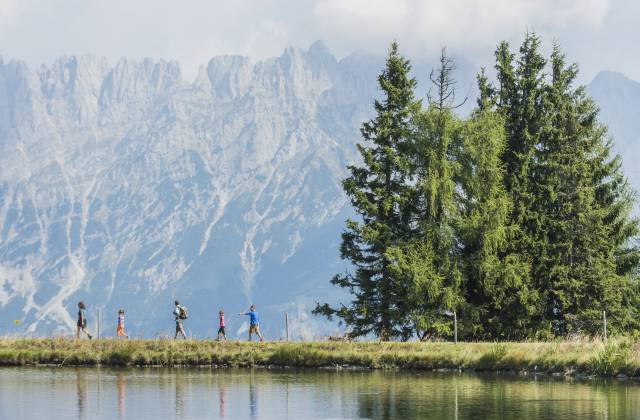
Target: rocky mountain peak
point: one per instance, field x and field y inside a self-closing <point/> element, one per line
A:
<point x="126" y="186"/>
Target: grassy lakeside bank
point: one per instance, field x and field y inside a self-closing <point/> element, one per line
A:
<point x="584" y="357"/>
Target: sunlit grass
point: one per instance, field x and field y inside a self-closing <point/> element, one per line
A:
<point x="587" y="356"/>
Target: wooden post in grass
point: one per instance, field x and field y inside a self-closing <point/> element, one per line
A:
<point x="286" y="325"/>
<point x="455" y="327"/>
<point x="604" y="319"/>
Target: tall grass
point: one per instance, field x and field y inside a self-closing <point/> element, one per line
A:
<point x="592" y="357"/>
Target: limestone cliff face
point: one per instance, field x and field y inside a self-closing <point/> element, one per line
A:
<point x="127" y="186"/>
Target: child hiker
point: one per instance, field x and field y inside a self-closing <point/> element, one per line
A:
<point x="254" y="322"/>
<point x="120" y="331"/>
<point x="82" y="321"/>
<point x="221" y="332"/>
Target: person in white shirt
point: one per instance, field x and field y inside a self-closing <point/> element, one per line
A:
<point x="180" y="314"/>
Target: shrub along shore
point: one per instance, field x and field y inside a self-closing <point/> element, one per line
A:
<point x="581" y="357"/>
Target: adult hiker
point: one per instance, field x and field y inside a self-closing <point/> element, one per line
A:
<point x="120" y="330"/>
<point x="82" y="321"/>
<point x="180" y="313"/>
<point x="254" y="322"/>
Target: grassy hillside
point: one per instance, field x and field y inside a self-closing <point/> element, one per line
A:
<point x="590" y="357"/>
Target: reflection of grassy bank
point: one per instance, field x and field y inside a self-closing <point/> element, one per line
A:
<point x="305" y="393"/>
<point x="590" y="357"/>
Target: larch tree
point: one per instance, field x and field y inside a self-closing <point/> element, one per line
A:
<point x="430" y="262"/>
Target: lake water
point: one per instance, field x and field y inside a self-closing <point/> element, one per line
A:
<point x="92" y="393"/>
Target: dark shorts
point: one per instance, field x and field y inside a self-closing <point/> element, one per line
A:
<point x="221" y="331"/>
<point x="82" y="324"/>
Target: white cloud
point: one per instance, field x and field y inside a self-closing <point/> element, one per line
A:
<point x="358" y="15"/>
<point x="458" y="23"/>
<point x="195" y="30"/>
<point x="8" y="9"/>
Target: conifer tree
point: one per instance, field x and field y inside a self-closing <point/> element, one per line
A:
<point x="570" y="201"/>
<point x="579" y="267"/>
<point x="517" y="217"/>
<point x="380" y="193"/>
<point x="496" y="292"/>
<point x="430" y="262"/>
<point x="519" y="100"/>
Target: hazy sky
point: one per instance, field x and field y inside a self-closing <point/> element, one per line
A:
<point x="598" y="34"/>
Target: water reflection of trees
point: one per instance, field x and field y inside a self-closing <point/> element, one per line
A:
<point x="472" y="397"/>
<point x="467" y="396"/>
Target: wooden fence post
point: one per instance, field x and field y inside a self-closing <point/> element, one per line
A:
<point x="286" y="324"/>
<point x="455" y="327"/>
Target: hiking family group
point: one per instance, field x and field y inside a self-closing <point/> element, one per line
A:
<point x="180" y="314"/>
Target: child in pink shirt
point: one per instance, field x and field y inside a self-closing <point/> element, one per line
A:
<point x="221" y="331"/>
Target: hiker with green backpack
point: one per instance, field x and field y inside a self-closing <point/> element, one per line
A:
<point x="180" y="313"/>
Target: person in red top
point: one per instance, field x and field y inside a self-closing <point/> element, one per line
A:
<point x="221" y="332"/>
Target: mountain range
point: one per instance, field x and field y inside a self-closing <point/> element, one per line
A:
<point x="619" y="100"/>
<point x="127" y="186"/>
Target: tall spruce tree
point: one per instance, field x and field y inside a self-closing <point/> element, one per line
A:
<point x="496" y="292"/>
<point x="519" y="99"/>
<point x="579" y="267"/>
<point x="380" y="193"/>
<point x="570" y="200"/>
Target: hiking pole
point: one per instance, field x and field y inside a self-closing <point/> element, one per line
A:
<point x="604" y="319"/>
<point x="98" y="324"/>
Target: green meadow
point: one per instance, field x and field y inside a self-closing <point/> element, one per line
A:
<point x="590" y="357"/>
